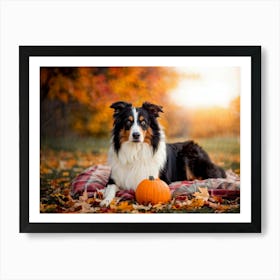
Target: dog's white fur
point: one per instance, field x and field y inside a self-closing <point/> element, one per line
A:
<point x="133" y="163"/>
<point x="135" y="127"/>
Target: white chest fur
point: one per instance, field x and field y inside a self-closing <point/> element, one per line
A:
<point x="135" y="162"/>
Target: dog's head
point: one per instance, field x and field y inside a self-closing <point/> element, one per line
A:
<point x="136" y="124"/>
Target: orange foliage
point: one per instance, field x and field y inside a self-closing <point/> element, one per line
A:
<point x="78" y="100"/>
<point x="203" y="122"/>
<point x="91" y="91"/>
<point x="216" y="121"/>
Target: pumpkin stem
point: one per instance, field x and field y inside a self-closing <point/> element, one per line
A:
<point x="151" y="178"/>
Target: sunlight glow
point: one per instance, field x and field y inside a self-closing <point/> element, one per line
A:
<point x="207" y="87"/>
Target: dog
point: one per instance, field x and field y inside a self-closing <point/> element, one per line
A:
<point x="138" y="150"/>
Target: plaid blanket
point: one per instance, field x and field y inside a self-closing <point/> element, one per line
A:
<point x="95" y="178"/>
<point x="92" y="179"/>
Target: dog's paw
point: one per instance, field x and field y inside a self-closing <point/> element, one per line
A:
<point x="105" y="202"/>
<point x="109" y="194"/>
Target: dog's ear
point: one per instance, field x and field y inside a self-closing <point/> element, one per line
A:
<point x="119" y="106"/>
<point x="152" y="108"/>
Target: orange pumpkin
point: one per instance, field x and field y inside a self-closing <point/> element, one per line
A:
<point x="152" y="191"/>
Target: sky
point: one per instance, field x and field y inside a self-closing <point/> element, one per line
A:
<point x="207" y="87"/>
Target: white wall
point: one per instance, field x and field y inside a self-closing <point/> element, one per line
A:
<point x="138" y="256"/>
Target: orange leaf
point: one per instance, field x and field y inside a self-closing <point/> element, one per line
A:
<point x="202" y="194"/>
<point x="125" y="206"/>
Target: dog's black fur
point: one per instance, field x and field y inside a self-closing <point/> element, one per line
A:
<point x="188" y="161"/>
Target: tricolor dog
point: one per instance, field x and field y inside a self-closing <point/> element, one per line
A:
<point x="138" y="150"/>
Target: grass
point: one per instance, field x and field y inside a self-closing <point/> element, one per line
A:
<point x="223" y="151"/>
<point x="83" y="144"/>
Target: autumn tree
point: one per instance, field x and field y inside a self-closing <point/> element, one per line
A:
<point x="77" y="99"/>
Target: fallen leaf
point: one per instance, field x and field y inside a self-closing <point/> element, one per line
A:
<point x="123" y="206"/>
<point x="84" y="197"/>
<point x="202" y="194"/>
<point x="140" y="207"/>
<point x="196" y="203"/>
<point x="215" y="198"/>
<point x="221" y="207"/>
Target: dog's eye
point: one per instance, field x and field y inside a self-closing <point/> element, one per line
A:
<point x="128" y="123"/>
<point x="143" y="123"/>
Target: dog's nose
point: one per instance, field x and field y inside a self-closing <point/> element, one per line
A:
<point x="136" y="135"/>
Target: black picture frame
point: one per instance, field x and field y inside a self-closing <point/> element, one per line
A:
<point x="254" y="52"/>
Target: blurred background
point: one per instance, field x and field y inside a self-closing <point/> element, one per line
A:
<point x="199" y="103"/>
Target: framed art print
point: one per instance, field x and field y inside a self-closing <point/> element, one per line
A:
<point x="140" y="138"/>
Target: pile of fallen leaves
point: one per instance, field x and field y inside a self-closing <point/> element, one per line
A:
<point x="196" y="202"/>
<point x="58" y="168"/>
<point x="200" y="202"/>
